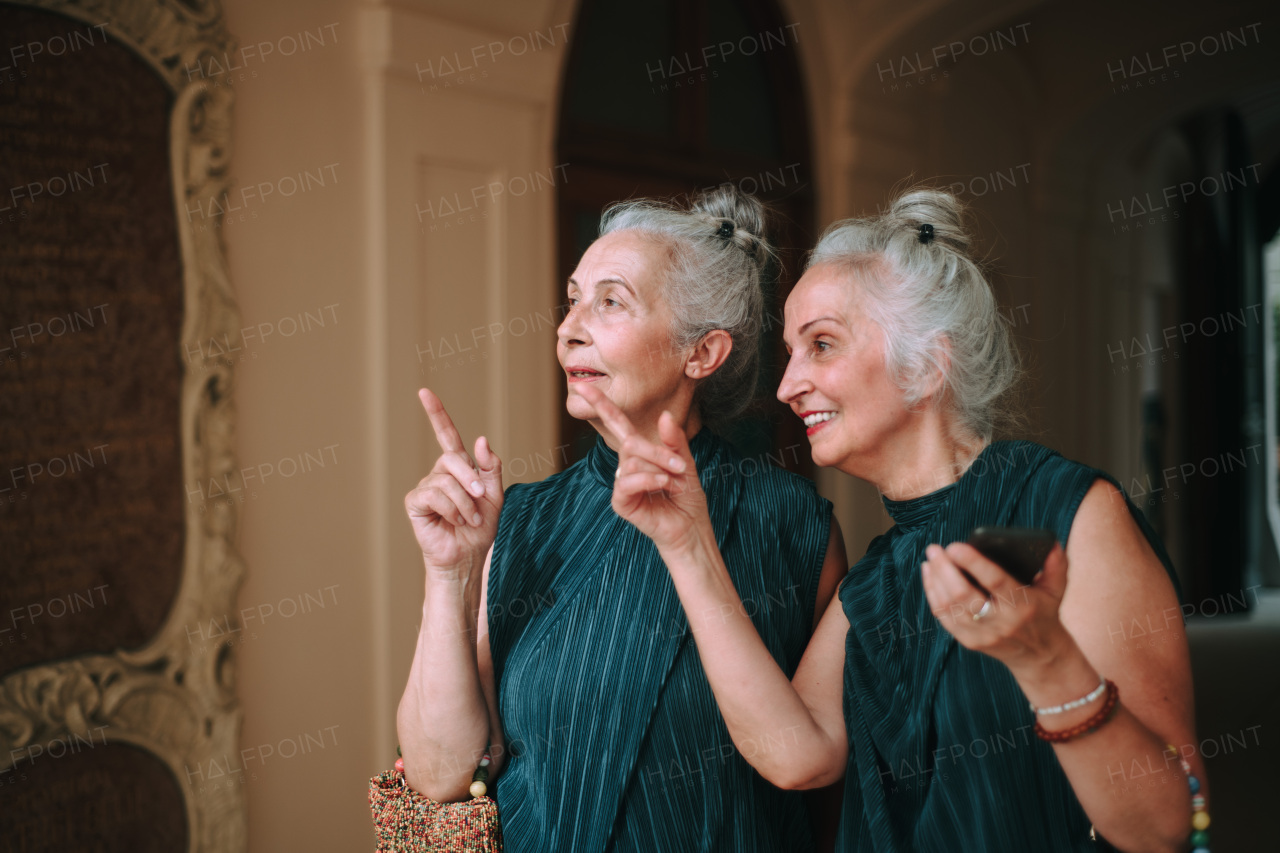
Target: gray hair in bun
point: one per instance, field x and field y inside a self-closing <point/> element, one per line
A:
<point x="718" y="252"/>
<point x="918" y="283"/>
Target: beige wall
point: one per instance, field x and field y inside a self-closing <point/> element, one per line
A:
<point x="311" y="671"/>
<point x="397" y="295"/>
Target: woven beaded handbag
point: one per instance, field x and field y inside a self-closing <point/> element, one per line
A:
<point x="408" y="822"/>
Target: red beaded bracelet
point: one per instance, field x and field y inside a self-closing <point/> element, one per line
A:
<point x="1097" y="721"/>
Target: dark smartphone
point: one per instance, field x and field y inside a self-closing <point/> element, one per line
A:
<point x="1020" y="551"/>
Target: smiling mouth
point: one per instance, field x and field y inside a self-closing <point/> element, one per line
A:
<point x="812" y="419"/>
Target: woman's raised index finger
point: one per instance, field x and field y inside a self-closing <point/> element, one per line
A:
<point x="613" y="418"/>
<point x="446" y="433"/>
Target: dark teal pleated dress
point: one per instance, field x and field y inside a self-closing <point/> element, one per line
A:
<point x="942" y="752"/>
<point x="614" y="738"/>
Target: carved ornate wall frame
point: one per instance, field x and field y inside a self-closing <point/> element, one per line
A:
<point x="176" y="704"/>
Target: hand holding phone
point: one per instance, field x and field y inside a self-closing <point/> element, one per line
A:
<point x="1020" y="551"/>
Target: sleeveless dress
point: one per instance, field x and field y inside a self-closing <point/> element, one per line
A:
<point x="942" y="751"/>
<point x="614" y="739"/>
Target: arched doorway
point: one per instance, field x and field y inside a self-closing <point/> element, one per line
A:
<point x="670" y="97"/>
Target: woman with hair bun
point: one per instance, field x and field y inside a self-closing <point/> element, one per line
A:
<point x="552" y="636"/>
<point x="968" y="710"/>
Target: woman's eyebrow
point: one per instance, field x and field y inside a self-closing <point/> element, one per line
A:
<point x="610" y="280"/>
<point x="800" y="331"/>
<point x="616" y="280"/>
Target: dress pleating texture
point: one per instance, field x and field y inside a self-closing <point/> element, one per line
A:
<point x="942" y="752"/>
<point x="614" y="739"/>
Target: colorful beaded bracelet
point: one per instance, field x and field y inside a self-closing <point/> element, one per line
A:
<point x="1097" y="721"/>
<point x="1199" y="811"/>
<point x="1199" y="839"/>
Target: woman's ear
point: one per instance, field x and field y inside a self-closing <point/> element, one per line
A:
<point x="708" y="354"/>
<point x="935" y="383"/>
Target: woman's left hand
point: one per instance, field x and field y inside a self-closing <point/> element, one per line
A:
<point x="1013" y="622"/>
<point x="656" y="486"/>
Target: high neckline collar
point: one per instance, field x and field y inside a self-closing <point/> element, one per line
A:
<point x="603" y="460"/>
<point x="914" y="511"/>
<point x="911" y="512"/>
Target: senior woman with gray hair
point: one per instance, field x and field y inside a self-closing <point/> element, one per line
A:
<point x="968" y="710"/>
<point x="564" y="652"/>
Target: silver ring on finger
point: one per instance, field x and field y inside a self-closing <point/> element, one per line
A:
<point x="617" y="474"/>
<point x="983" y="610"/>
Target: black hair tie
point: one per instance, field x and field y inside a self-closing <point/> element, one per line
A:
<point x="926" y="233"/>
<point x="725" y="231"/>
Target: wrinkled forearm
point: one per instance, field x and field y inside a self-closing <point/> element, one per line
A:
<point x="771" y="726"/>
<point x="443" y="719"/>
<point x="1103" y="766"/>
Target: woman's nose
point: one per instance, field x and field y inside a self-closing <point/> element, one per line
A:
<point x="793" y="382"/>
<point x="571" y="329"/>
